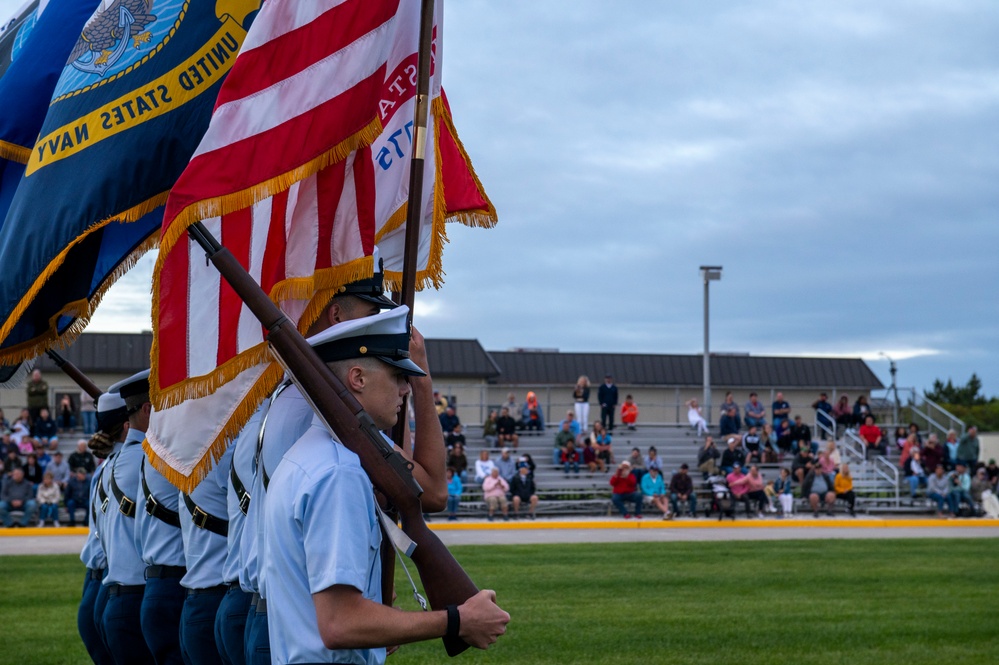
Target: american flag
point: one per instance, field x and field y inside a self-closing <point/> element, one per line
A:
<point x="304" y="168"/>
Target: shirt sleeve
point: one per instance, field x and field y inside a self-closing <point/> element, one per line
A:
<point x="338" y="518"/>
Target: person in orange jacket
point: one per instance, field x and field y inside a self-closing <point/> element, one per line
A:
<point x="629" y="412"/>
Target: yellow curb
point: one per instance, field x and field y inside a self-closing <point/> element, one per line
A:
<point x="44" y="531"/>
<point x="876" y="523"/>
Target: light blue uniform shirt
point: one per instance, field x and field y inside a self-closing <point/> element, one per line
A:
<point x="160" y="543"/>
<point x="288" y="419"/>
<point x="125" y="564"/>
<point x="92" y="554"/>
<point x="244" y="450"/>
<point x="322" y="531"/>
<point x="204" y="550"/>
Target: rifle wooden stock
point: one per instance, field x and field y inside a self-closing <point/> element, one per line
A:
<point x="73" y="372"/>
<point x="444" y="580"/>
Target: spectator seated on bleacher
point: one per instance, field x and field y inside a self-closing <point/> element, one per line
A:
<point x="938" y="486"/>
<point x="48" y="497"/>
<point x="861" y="410"/>
<point x="732" y="456"/>
<point x="780" y="410"/>
<point x="494" y="490"/>
<point x="800" y="431"/>
<point x="457" y="436"/>
<point x="483" y="466"/>
<point x="454" y="490"/>
<point x="637" y="463"/>
<point x="78" y="495"/>
<point x="653" y="461"/>
<point x="591" y="460"/>
<point x="629" y="413"/>
<point x="449" y="420"/>
<point x="969" y="448"/>
<point x="563" y="437"/>
<point x="570" y="459"/>
<point x="751" y="442"/>
<point x="933" y="453"/>
<point x="843" y="486"/>
<point x="803" y="462"/>
<point x="654" y="489"/>
<point x="786" y="443"/>
<point x="771" y="494"/>
<point x="45" y="430"/>
<point x="842" y="413"/>
<point x="749" y="488"/>
<point x="756" y="414"/>
<point x="59" y="470"/>
<point x="909" y="445"/>
<point x="625" y="491"/>
<point x="681" y="491"/>
<point x="528" y="461"/>
<point x="695" y="417"/>
<point x="44" y="459"/>
<point x="11" y="462"/>
<point x="707" y="458"/>
<point x="33" y="470"/>
<point x="819" y="487"/>
<point x="17" y="494"/>
<point x="523" y="491"/>
<point x="991" y="469"/>
<point x="729" y="422"/>
<point x="960" y="489"/>
<point x="873" y="437"/>
<point x="82" y="457"/>
<point x="737" y="487"/>
<point x="532" y="415"/>
<point x="506" y="429"/>
<point x="456" y="460"/>
<point x="601" y="440"/>
<point x="490" y="433"/>
<point x="440" y="403"/>
<point x="574" y="425"/>
<point x="979" y="485"/>
<point x="507" y="465"/>
<point x="729" y="405"/>
<point x="785" y="497"/>
<point x="914" y="473"/>
<point x="826" y="464"/>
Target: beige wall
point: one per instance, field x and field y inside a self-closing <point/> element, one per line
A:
<point x="14" y="399"/>
<point x="656" y="405"/>
<point x="990" y="446"/>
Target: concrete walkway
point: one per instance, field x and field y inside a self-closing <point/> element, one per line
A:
<point x="67" y="540"/>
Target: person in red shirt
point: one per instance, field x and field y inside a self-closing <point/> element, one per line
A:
<point x="626" y="490"/>
<point x="871" y="434"/>
<point x="629" y="412"/>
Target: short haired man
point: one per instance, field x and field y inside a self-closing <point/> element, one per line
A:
<point x="523" y="490"/>
<point x="506" y="429"/>
<point x="17" y="494"/>
<point x="323" y="540"/>
<point x="819" y="487"/>
<point x="681" y="490"/>
<point x="625" y="491"/>
<point x="756" y="414"/>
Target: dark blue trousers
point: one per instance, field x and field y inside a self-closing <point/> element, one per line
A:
<point x="100" y="603"/>
<point x="197" y="626"/>
<point x="230" y="626"/>
<point x="258" y="643"/>
<point x="85" y="619"/>
<point x="122" y="630"/>
<point x="161" y="607"/>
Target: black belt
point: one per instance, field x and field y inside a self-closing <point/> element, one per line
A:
<point x="241" y="493"/>
<point x="258" y="604"/>
<point x="205" y="520"/>
<point x="234" y="585"/>
<point x="96" y="573"/>
<point x="122" y="589"/>
<point x="165" y="572"/>
<point x="154" y="507"/>
<point x="218" y="589"/>
<point x="125" y="504"/>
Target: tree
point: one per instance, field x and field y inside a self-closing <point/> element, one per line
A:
<point x="967" y="395"/>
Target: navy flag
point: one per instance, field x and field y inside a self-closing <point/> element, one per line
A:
<point x="132" y="101"/>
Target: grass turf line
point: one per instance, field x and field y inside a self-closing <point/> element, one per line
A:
<point x="801" y="602"/>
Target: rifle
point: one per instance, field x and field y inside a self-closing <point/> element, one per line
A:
<point x="444" y="580"/>
<point x="73" y="372"/>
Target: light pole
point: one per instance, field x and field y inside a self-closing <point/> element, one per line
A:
<point x="894" y="387"/>
<point x="709" y="274"/>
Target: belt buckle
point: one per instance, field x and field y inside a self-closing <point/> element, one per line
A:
<point x="244" y="503"/>
<point x="126" y="506"/>
<point x="104" y="504"/>
<point x="151" y="505"/>
<point x="199" y="517"/>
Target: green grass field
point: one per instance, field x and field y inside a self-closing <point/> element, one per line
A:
<point x="801" y="602"/>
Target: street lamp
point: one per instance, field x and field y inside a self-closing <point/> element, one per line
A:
<point x="894" y="388"/>
<point x="709" y="274"/>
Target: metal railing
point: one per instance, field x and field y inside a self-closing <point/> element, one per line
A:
<point x="930" y="416"/>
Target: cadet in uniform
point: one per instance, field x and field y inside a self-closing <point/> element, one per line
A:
<point x="158" y="538"/>
<point x="125" y="579"/>
<point x="322" y="546"/>
<point x="112" y="422"/>
<point x="204" y="524"/>
<point x="288" y="415"/>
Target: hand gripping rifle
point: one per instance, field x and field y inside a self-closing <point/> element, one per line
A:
<point x="73" y="372"/>
<point x="444" y="581"/>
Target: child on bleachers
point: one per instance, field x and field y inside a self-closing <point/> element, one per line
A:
<point x="48" y="498"/>
<point x="771" y="493"/>
<point x="783" y="489"/>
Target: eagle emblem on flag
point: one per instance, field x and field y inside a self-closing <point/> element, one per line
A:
<point x="116" y="25"/>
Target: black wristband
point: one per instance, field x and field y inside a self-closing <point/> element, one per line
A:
<point x="453" y="623"/>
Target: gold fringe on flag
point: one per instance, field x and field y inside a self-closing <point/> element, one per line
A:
<point x="486" y="218"/>
<point x="80" y="310"/>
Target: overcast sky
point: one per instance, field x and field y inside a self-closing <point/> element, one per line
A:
<point x="839" y="158"/>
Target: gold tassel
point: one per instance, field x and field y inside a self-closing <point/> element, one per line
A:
<point x="14" y="152"/>
<point x="81" y="310"/>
